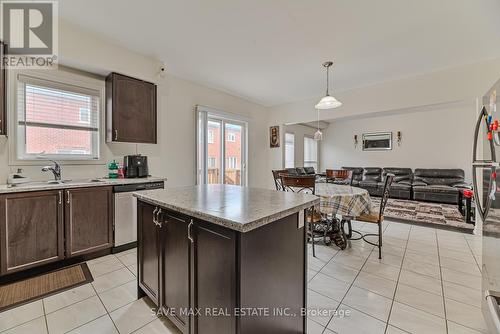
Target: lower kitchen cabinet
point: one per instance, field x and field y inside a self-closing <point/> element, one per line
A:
<point x="31" y="230"/>
<point x="88" y="219"/>
<point x="213" y="278"/>
<point x="148" y="251"/>
<point x="175" y="292"/>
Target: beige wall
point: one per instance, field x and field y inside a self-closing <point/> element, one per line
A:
<point x="174" y="155"/>
<point x="431" y="138"/>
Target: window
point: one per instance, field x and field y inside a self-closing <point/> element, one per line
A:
<point x="231" y="137"/>
<point x="310" y="153"/>
<point x="289" y="150"/>
<point x="56" y="120"/>
<point x="211" y="137"/>
<point x="212" y="162"/>
<point x="221" y="148"/>
<point x="232" y="162"/>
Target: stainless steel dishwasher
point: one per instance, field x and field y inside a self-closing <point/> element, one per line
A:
<point x="126" y="212"/>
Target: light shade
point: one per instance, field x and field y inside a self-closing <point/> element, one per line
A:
<point x="328" y="102"/>
<point x="318" y="135"/>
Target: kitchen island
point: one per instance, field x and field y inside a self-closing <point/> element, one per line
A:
<point x="225" y="259"/>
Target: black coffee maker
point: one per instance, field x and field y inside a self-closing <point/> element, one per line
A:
<point x="135" y="166"/>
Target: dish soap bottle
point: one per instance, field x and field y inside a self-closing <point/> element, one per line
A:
<point x="113" y="170"/>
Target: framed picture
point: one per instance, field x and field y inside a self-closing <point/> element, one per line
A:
<point x="274" y="136"/>
<point x="379" y="141"/>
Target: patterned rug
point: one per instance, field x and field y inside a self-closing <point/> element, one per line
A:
<point x="424" y="213"/>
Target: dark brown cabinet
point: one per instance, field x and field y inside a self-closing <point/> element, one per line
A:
<point x="88" y="219"/>
<point x="190" y="265"/>
<point x="3" y="92"/>
<point x="175" y="235"/>
<point x="131" y="110"/>
<point x="148" y="251"/>
<point x="31" y="230"/>
<point x="214" y="251"/>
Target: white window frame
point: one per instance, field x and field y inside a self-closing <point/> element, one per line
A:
<point x="209" y="165"/>
<point x="232" y="162"/>
<point x="63" y="77"/>
<point x="293" y="151"/>
<point x="203" y="115"/>
<point x="317" y="153"/>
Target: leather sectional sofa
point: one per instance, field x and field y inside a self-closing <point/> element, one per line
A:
<point x="433" y="185"/>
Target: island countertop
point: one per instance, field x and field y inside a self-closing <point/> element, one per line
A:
<point x="239" y="208"/>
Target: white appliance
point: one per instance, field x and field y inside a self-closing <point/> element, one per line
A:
<point x="126" y="211"/>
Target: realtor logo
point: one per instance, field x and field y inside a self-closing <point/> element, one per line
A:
<point x="29" y="28"/>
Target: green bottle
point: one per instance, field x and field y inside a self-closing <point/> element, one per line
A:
<point x="113" y="170"/>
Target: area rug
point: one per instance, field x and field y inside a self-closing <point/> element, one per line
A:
<point x="424" y="213"/>
<point x="27" y="290"/>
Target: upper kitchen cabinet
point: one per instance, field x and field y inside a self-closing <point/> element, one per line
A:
<point x="3" y="93"/>
<point x="131" y="114"/>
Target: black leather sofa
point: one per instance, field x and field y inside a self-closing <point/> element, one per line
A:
<point x="402" y="184"/>
<point x="433" y="185"/>
<point x="438" y="185"/>
<point x="357" y="175"/>
<point x="372" y="178"/>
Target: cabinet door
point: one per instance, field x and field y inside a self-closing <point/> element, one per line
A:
<point x="133" y="110"/>
<point x="214" y="277"/>
<point x="3" y="93"/>
<point x="148" y="251"/>
<point x="89" y="220"/>
<point x="175" y="260"/>
<point x="31" y="230"/>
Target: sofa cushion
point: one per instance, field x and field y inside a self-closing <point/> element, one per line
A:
<point x="369" y="183"/>
<point x="400" y="174"/>
<point x="435" y="189"/>
<point x="309" y="170"/>
<point x="357" y="173"/>
<point x="373" y="174"/>
<point x="398" y="186"/>
<point x="435" y="176"/>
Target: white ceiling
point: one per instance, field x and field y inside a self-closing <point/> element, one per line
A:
<point x="271" y="51"/>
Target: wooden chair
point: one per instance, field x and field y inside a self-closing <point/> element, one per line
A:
<point x="277" y="178"/>
<point x="304" y="184"/>
<point x="339" y="176"/>
<point x="374" y="217"/>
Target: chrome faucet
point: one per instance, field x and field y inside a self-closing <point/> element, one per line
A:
<point x="56" y="170"/>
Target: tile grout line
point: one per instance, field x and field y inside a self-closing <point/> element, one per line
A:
<point x="442" y="285"/>
<point x="45" y="316"/>
<point x="397" y="282"/>
<point x="351" y="285"/>
<point x="107" y="313"/>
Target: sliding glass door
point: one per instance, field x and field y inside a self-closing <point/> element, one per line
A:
<point x="221" y="149"/>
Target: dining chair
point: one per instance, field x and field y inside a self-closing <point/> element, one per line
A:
<point x="339" y="176"/>
<point x="304" y="184"/>
<point x="277" y="178"/>
<point x="373" y="217"/>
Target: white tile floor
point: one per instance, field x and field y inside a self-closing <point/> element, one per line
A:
<point x="427" y="282"/>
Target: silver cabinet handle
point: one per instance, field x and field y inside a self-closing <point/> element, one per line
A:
<point x="67" y="195"/>
<point x="158" y="222"/>
<point x="116" y="134"/>
<point x="154" y="215"/>
<point x="190" y="237"/>
<point x="60" y="197"/>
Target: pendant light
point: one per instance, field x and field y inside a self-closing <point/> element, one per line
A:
<point x="328" y="102"/>
<point x="318" y="135"/>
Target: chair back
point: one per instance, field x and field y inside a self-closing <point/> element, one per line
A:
<point x="277" y="178"/>
<point x="385" y="194"/>
<point x="343" y="175"/>
<point x="297" y="184"/>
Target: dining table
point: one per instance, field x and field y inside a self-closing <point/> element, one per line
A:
<point x="344" y="200"/>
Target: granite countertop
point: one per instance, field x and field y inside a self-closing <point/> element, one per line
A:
<point x="239" y="208"/>
<point x="75" y="183"/>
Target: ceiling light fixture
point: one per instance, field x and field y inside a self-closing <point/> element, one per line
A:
<point x="328" y="102"/>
